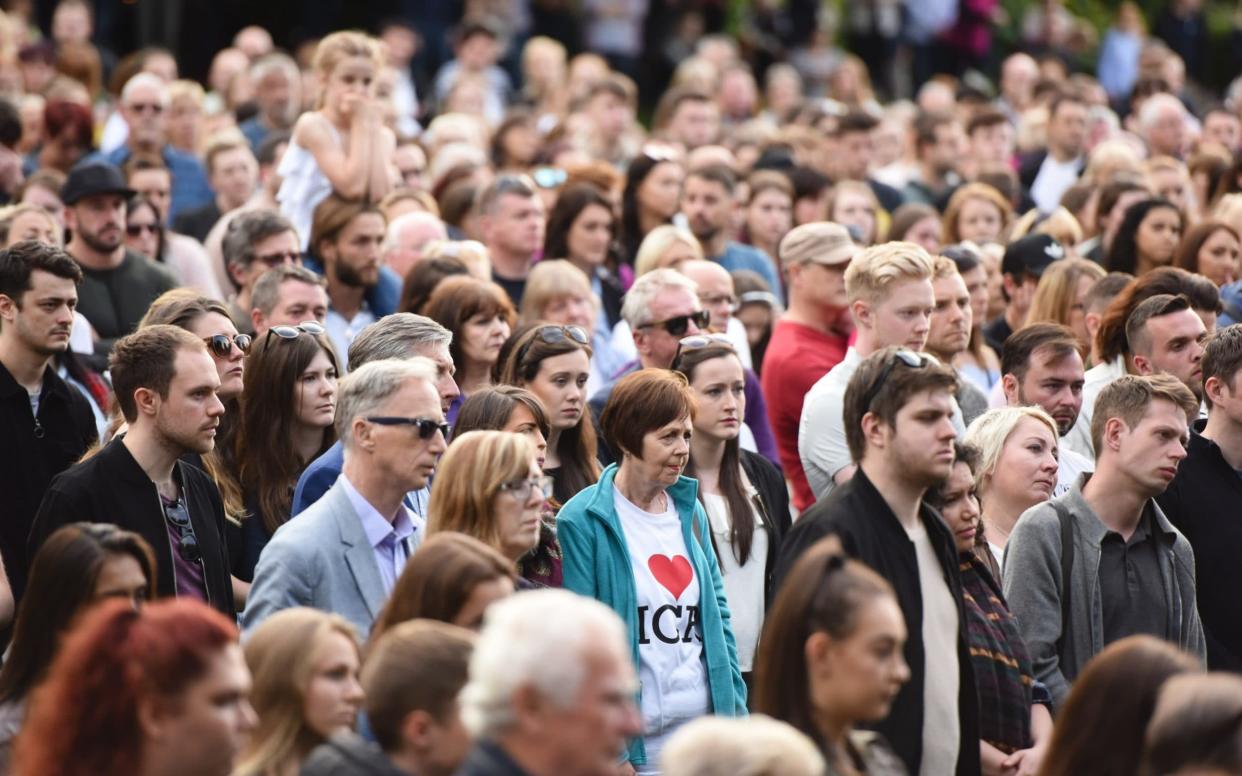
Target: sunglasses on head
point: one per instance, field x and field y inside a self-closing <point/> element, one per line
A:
<point x="907" y="357"/>
<point x="222" y="344"/>
<point x="679" y="325"/>
<point x="426" y="426"/>
<point x="700" y="341"/>
<point x="293" y="332"/>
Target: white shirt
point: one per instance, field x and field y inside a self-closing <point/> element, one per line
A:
<point x="342" y="331"/>
<point x="1052" y="180"/>
<point x="744" y="585"/>
<point x="670" y="637"/>
<point x="1098" y="376"/>
<point x="941" y="726"/>
<point x="1070" y="465"/>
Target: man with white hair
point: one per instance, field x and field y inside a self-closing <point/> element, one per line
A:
<point x="345" y="553"/>
<point x="1162" y="124"/>
<point x="407" y="239"/>
<point x="546" y="701"/>
<point x="144" y="106"/>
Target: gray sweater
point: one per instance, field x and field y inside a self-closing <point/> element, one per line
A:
<point x="1032" y="585"/>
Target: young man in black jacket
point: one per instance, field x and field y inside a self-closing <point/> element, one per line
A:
<point x="45" y="423"/>
<point x="897" y="414"/>
<point x="166" y="384"/>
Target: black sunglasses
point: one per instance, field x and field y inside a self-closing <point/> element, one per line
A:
<point x="426" y="426"/>
<point x="907" y="357"/>
<point x="293" y="332"/>
<point x="222" y="344"/>
<point x="180" y="519"/>
<point x="279" y="258"/>
<point x="680" y="324"/>
<point x="133" y="230"/>
<point x="700" y="341"/>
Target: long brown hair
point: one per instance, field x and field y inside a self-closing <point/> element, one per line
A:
<point x="268" y="467"/>
<point x="1187" y="256"/>
<point x="1110" y="340"/>
<point x="1098" y="729"/>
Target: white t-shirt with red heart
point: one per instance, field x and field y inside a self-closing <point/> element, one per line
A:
<point x="670" y="636"/>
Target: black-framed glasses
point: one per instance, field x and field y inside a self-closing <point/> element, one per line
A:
<point x="903" y="356"/>
<point x="278" y="258"/>
<point x="426" y="426"/>
<point x="135" y="230"/>
<point x="293" y="332"/>
<point x="680" y="324"/>
<point x="177" y="515"/>
<point x="700" y="341"/>
<point x="521" y="489"/>
<point x="221" y="345"/>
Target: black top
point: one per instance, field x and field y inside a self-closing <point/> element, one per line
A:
<point x="774" y="496"/>
<point x="995" y="333"/>
<point x="1131" y="589"/>
<point x="197" y="222"/>
<point x="488" y="759"/>
<point x="114" y="300"/>
<point x="1202" y="503"/>
<point x="110" y="487"/>
<point x="514" y="288"/>
<point x="31" y="454"/>
<point x="869" y="531"/>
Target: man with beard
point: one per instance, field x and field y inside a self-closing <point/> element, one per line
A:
<point x="707" y="202"/>
<point x="117" y="284"/>
<point x="46" y="423"/>
<point x="949" y="332"/>
<point x="347" y="236"/>
<point x="898" y="416"/>
<point x="166" y="385"/>
<point x="1042" y="367"/>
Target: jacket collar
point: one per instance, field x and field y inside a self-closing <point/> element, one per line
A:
<point x="684" y="493"/>
<point x="1095" y="530"/>
<point x="52" y="384"/>
<point x="865" y="489"/>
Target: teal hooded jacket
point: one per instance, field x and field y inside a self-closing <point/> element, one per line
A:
<point x="596" y="563"/>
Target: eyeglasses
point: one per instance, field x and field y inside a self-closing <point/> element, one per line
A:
<point x="521" y="489"/>
<point x="907" y="357"/>
<point x="180" y="519"/>
<point x="700" y="341"/>
<point x="680" y="324"/>
<point x="281" y="257"/>
<point x="293" y="332"/>
<point x="222" y="344"/>
<point x="427" y="427"/>
<point x="134" y="230"/>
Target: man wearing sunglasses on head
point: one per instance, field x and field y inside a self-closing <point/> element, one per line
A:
<point x="345" y="552"/>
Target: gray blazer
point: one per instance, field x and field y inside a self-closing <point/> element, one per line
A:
<point x="321" y="558"/>
<point x="1032" y="585"/>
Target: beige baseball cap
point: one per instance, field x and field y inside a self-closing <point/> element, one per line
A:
<point x="821" y="242"/>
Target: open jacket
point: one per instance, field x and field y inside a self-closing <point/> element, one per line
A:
<point x="596" y="564"/>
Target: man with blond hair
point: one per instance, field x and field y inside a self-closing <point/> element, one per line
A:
<point x="889" y="289"/>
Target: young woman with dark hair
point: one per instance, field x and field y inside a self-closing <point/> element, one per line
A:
<point x="581" y="229"/>
<point x="1147" y="239"/>
<point x="287" y="411"/>
<point x="652" y="196"/>
<point x="1211" y="249"/>
<point x="745" y="496"/>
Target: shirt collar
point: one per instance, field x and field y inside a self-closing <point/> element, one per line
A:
<point x="374" y="525"/>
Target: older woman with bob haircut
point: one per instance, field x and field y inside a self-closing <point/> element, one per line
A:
<point x="480" y="316"/>
<point x="1017" y="467"/>
<point x="305" y="665"/>
<point x="831" y="658"/>
<point x="640" y="542"/>
<point x="1061" y="296"/>
<point x="451" y="578"/>
<point x="489" y="486"/>
<point x="976" y="212"/>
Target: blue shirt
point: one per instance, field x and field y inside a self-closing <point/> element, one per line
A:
<point x="321" y="474"/>
<point x="189" y="180"/>
<point x="387" y="536"/>
<point x="383" y="297"/>
<point x="738" y="256"/>
<point x="255" y="132"/>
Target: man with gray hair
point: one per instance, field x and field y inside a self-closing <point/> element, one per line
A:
<point x="286" y="296"/>
<point x="254" y="242"/>
<point x="345" y="552"/>
<point x="396" y="336"/>
<point x="407" y="239"/>
<point x="1162" y="123"/>
<point x="277" y="92"/>
<point x="546" y="701"/>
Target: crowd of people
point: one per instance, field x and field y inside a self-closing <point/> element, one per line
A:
<point x="497" y="434"/>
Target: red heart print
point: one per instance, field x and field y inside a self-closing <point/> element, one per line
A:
<point x="674" y="573"/>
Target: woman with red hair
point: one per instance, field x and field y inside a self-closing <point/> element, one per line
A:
<point x="160" y="691"/>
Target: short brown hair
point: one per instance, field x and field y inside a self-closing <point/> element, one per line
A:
<point x="642" y="402"/>
<point x="1022" y="344"/>
<point x="1222" y="358"/>
<point x="181" y="307"/>
<point x="417" y="666"/>
<point x="1129" y="397"/>
<point x="1137" y="338"/>
<point x="953" y="210"/>
<point x="146" y="359"/>
<point x="459" y="298"/>
<point x="862" y="396"/>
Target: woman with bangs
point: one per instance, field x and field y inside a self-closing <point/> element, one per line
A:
<point x="480" y="316"/>
<point x="977" y="213"/>
<point x="287" y="411"/>
<point x="581" y="229"/>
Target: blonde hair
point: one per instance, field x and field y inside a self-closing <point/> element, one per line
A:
<point x="656" y="244"/>
<point x="874" y="269"/>
<point x="748" y="746"/>
<point x="943" y="267"/>
<point x="340" y="46"/>
<point x="469" y="478"/>
<point x="182" y="89"/>
<point x="989" y="432"/>
<point x="1229" y="209"/>
<point x="1057" y="292"/>
<point x="282" y="654"/>
<point x="549" y="280"/>
<point x="953" y="211"/>
<point x="1060" y="223"/>
<point x="469" y="252"/>
<point x="10" y="213"/>
<point x="1110" y="159"/>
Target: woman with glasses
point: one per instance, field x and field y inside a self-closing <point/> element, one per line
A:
<point x="287" y="408"/>
<point x="79" y="565"/>
<point x="553" y="362"/>
<point x="745" y="496"/>
<point x="489" y="486"/>
<point x="144" y="232"/>
<point x="640" y="542"/>
<point x="480" y="316"/>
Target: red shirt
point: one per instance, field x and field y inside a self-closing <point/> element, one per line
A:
<point x="797" y="356"/>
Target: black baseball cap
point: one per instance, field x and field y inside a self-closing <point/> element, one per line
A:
<point x="91" y="178"/>
<point x="1031" y="255"/>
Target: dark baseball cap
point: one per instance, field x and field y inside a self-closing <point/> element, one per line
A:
<point x="91" y="178"/>
<point x="1031" y="255"/>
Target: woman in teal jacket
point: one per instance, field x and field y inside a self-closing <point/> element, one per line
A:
<point x="639" y="541"/>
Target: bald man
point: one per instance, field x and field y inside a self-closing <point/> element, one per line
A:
<point x="407" y="239"/>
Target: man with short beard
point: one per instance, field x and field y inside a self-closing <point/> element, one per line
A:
<point x="347" y="237"/>
<point x="949" y="333"/>
<point x="117" y="285"/>
<point x="707" y="202"/>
